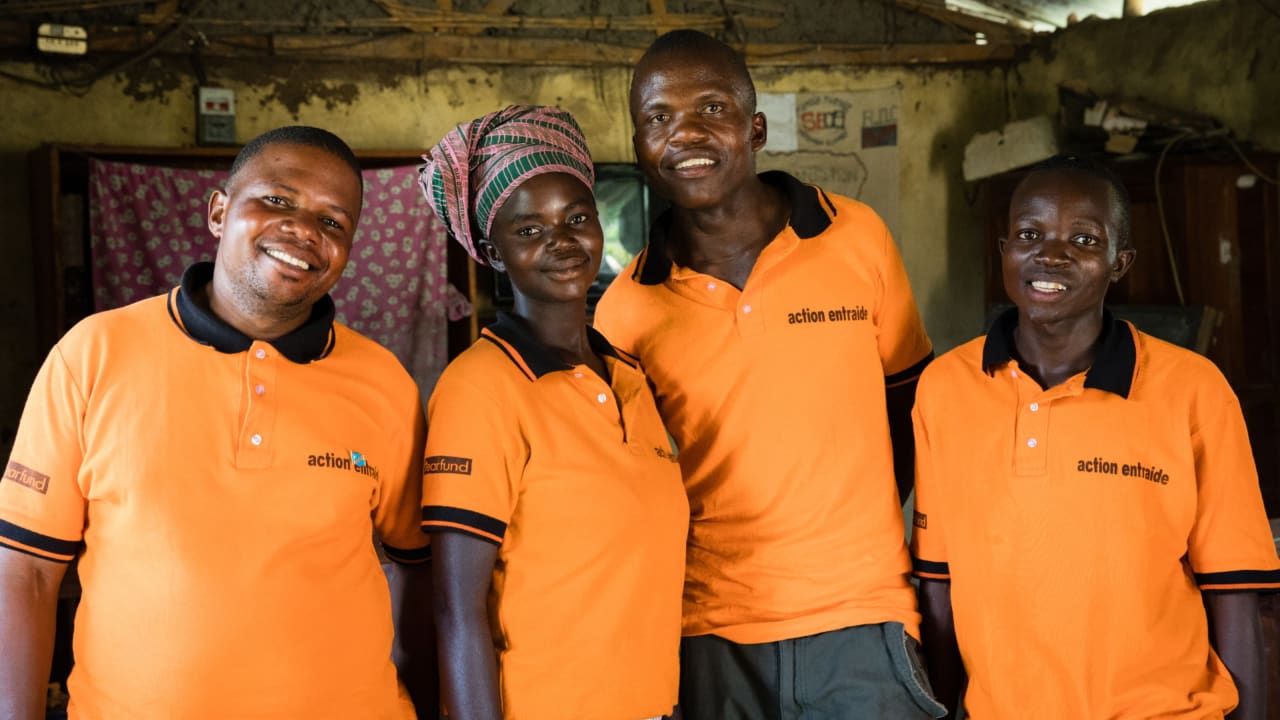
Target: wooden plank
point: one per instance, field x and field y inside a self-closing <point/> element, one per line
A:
<point x="438" y="21"/>
<point x="536" y="51"/>
<point x="658" y="9"/>
<point x="494" y="8"/>
<point x="802" y="55"/>
<point x="482" y="50"/>
<point x="995" y="32"/>
<point x="498" y="7"/>
<point x="395" y="11"/>
<point x="43" y="7"/>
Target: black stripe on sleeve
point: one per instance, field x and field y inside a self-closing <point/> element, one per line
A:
<point x="408" y="557"/>
<point x="24" y="551"/>
<point x="51" y="545"/>
<point x="910" y="373"/>
<point x="930" y="567"/>
<point x="465" y="518"/>
<point x="1239" y="577"/>
<point x="461" y="531"/>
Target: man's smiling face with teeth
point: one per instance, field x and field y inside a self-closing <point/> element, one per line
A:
<point x="696" y="127"/>
<point x="1065" y="245"/>
<point x="285" y="225"/>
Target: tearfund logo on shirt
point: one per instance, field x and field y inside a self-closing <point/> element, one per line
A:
<point x="446" y="464"/>
<point x="26" y="477"/>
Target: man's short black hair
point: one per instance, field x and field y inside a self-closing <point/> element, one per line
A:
<point x="694" y="41"/>
<point x="297" y="135"/>
<point x="1096" y="169"/>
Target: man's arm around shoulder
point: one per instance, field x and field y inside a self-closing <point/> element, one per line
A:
<point x="28" y="611"/>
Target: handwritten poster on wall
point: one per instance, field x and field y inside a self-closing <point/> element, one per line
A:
<point x="844" y="142"/>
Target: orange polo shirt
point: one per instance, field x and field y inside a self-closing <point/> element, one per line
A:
<point x="574" y="479"/>
<point x="1079" y="525"/>
<point x="775" y="396"/>
<point x="222" y="494"/>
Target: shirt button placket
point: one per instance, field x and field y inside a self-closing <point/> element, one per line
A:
<point x="750" y="318"/>
<point x="1030" y="435"/>
<point x="260" y="415"/>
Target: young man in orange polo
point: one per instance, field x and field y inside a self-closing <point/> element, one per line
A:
<point x="778" y="328"/>
<point x="219" y="459"/>
<point x="1085" y="493"/>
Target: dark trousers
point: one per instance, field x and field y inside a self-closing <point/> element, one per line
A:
<point x="869" y="671"/>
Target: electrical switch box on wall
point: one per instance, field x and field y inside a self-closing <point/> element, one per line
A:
<point x="215" y="116"/>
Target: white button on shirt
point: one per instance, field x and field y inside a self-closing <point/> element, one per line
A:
<point x="746" y="308"/>
<point x="711" y="286"/>
<point x="1035" y="407"/>
<point x="602" y="397"/>
<point x="261" y="354"/>
<point x="259" y="389"/>
<point x="256" y="439"/>
<point x="1031" y="443"/>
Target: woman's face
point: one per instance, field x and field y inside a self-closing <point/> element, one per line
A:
<point x="547" y="238"/>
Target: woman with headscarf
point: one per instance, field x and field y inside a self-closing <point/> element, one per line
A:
<point x="555" y="506"/>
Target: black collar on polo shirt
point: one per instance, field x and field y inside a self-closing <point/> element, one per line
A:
<point x="811" y="213"/>
<point x="1112" y="369"/>
<point x="514" y="331"/>
<point x="310" y="342"/>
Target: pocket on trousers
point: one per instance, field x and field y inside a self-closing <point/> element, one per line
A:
<point x="908" y="666"/>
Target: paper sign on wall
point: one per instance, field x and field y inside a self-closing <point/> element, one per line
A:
<point x="844" y="142"/>
<point x="780" y="115"/>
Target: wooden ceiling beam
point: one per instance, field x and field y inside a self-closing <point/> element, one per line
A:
<point x="785" y="55"/>
<point x="498" y="7"/>
<point x="395" y="11"/>
<point x="493" y="9"/>
<point x="544" y="51"/>
<point x="439" y="22"/>
<point x="995" y="32"/>
<point x="48" y="6"/>
<point x="772" y="6"/>
<point x="658" y="9"/>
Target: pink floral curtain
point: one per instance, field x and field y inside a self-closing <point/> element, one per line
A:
<point x="148" y="223"/>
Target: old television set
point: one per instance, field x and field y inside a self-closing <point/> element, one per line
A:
<point x="627" y="209"/>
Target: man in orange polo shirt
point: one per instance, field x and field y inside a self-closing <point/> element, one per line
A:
<point x="1084" y="493"/>
<point x="219" y="459"/>
<point x="777" y="325"/>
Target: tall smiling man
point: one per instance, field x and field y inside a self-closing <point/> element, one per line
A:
<point x="219" y="458"/>
<point x="1085" y="493"/>
<point x="778" y="328"/>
